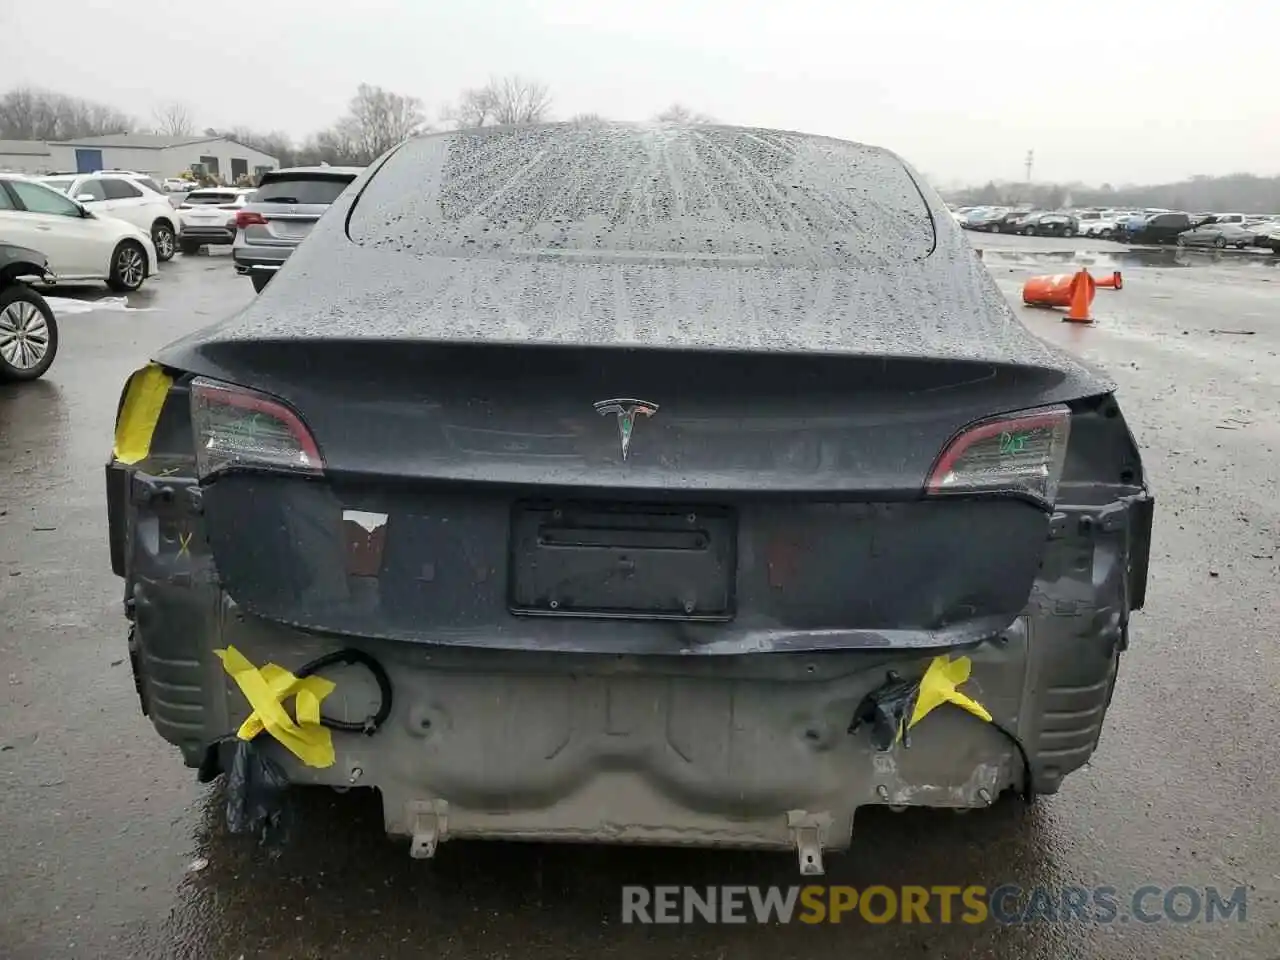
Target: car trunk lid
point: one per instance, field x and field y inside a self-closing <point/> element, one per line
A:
<point x="476" y="495"/>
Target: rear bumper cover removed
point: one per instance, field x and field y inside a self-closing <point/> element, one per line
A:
<point x="744" y="750"/>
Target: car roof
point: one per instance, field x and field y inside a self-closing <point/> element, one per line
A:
<point x="126" y="174"/>
<point x="651" y="283"/>
<point x="337" y="171"/>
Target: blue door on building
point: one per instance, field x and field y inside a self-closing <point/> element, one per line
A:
<point x="88" y="161"/>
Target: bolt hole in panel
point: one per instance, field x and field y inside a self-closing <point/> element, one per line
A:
<point x="623" y="560"/>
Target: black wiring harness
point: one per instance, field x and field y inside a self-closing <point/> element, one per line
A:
<point x="350" y="655"/>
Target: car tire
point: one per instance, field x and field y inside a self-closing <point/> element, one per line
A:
<point x="26" y="324"/>
<point x="260" y="281"/>
<point x="190" y="249"/>
<point x="128" y="267"/>
<point x="1068" y="232"/>
<point x="1182" y="241"/>
<point x="166" y="241"/>
<point x="1220" y="242"/>
<point x="1030" y="232"/>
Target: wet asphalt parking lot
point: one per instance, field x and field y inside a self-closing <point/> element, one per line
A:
<point x="111" y="849"/>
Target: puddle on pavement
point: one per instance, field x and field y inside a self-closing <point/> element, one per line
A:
<point x="1138" y="257"/>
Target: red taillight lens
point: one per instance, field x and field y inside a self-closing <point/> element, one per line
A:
<point x="236" y="427"/>
<point x="247" y="218"/>
<point x="1018" y="453"/>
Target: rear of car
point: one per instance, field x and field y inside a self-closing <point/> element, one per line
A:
<point x="208" y="217"/>
<point x="659" y="473"/>
<point x="281" y="213"/>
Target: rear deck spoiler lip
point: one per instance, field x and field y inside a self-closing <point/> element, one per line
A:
<point x="217" y="357"/>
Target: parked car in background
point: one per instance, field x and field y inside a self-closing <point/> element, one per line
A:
<point x="1218" y="235"/>
<point x="1011" y="221"/>
<point x="281" y="213"/>
<point x="28" y="330"/>
<point x="208" y="217"/>
<point x="1267" y="235"/>
<point x="177" y="185"/>
<point x="704" y="617"/>
<point x="985" y="219"/>
<point x="129" y="196"/>
<point x="1049" y="225"/>
<point x="1106" y="225"/>
<point x="79" y="243"/>
<point x="1157" y="228"/>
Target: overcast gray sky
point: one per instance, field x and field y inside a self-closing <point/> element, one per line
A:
<point x="1140" y="90"/>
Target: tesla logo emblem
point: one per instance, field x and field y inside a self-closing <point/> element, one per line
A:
<point x="626" y="411"/>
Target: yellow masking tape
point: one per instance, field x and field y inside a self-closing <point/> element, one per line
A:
<point x="939" y="687"/>
<point x="266" y="690"/>
<point x="143" y="400"/>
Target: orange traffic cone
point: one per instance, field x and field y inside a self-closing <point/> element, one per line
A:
<point x="1115" y="282"/>
<point x="1053" y="290"/>
<point x="1081" y="296"/>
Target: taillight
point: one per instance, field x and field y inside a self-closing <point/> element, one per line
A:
<point x="236" y="427"/>
<point x="247" y="218"/>
<point x="1018" y="453"/>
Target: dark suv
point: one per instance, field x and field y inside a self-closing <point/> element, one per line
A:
<point x="1157" y="228"/>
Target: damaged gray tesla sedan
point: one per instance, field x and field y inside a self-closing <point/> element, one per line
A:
<point x="635" y="484"/>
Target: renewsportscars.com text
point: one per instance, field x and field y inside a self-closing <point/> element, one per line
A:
<point x="1008" y="904"/>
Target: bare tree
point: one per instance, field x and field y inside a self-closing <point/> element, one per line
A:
<point x="503" y="100"/>
<point x="173" y="119"/>
<point x="31" y="113"/>
<point x="378" y="120"/>
<point x="333" y="146"/>
<point x="679" y="113"/>
<point x="587" y="119"/>
<point x="516" y="100"/>
<point x="475" y="108"/>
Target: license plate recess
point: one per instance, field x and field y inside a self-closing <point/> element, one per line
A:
<point x="622" y="560"/>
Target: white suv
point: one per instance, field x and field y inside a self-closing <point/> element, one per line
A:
<point x="125" y="195"/>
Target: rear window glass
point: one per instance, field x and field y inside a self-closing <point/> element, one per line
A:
<point x="210" y="196"/>
<point x="302" y="188"/>
<point x="640" y="193"/>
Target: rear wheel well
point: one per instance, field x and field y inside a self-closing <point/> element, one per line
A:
<point x="165" y="221"/>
